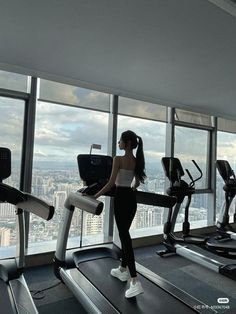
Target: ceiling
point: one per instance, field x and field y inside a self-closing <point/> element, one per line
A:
<point x="173" y="52"/>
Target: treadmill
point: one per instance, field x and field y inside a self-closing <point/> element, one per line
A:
<point x="86" y="271"/>
<point x="15" y="297"/>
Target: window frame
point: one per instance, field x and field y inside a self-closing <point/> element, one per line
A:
<point x="26" y="98"/>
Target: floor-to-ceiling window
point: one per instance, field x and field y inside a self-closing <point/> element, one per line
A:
<point x="148" y="121"/>
<point x="12" y="108"/>
<point x="61" y="133"/>
<point x="226" y="150"/>
<point x="192" y="142"/>
<point x="11" y="129"/>
<point x="68" y="121"/>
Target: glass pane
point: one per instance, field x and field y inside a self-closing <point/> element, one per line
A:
<point x="226" y="125"/>
<point x="148" y="218"/>
<point x="72" y="95"/>
<point x="141" y="109"/>
<point x="55" y="171"/>
<point x="11" y="129"/>
<point x="13" y="81"/>
<point x="93" y="228"/>
<point x="226" y="149"/>
<point x="193" y="117"/>
<point x="192" y="144"/>
<point x="197" y="212"/>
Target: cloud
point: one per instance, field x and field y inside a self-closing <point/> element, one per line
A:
<point x="224" y="145"/>
<point x="11" y="124"/>
<point x="58" y="92"/>
<point x="152" y="132"/>
<point x="76" y="129"/>
<point x="73" y="95"/>
<point x="67" y="131"/>
<point x="38" y="153"/>
<point x="64" y="131"/>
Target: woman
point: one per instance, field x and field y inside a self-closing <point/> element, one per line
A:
<point x="127" y="173"/>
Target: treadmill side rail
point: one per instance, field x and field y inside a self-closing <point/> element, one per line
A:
<point x="176" y="292"/>
<point x="228" y="271"/>
<point x="198" y="258"/>
<point x="22" y="297"/>
<point x="7" y="304"/>
<point x="73" y="279"/>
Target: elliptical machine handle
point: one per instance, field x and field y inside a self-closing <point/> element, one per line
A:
<point x="192" y="183"/>
<point x="191" y="178"/>
<point x="171" y="172"/>
<point x="199" y="169"/>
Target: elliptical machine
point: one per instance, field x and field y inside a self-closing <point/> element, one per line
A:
<point x="180" y="189"/>
<point x="225" y="230"/>
<point x="184" y="246"/>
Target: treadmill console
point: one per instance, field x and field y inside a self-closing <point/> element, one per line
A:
<point x="5" y="163"/>
<point x="95" y="171"/>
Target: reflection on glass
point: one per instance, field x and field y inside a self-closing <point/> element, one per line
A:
<point x="11" y="129"/>
<point x="73" y="95"/>
<point x="193" y="117"/>
<point x="13" y="81"/>
<point x="141" y="109"/>
<point x="61" y="134"/>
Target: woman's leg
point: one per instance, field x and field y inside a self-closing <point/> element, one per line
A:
<point x="125" y="209"/>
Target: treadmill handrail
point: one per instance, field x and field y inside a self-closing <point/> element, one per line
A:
<point x="26" y="201"/>
<point x="36" y="206"/>
<point x="10" y="194"/>
<point x="85" y="202"/>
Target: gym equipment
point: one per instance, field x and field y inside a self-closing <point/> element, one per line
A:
<point x="225" y="230"/>
<point x="15" y="297"/>
<point x="180" y="189"/>
<point x="86" y="271"/>
<point x="183" y="246"/>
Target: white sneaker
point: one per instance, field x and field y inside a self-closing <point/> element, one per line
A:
<point x="122" y="275"/>
<point x="134" y="289"/>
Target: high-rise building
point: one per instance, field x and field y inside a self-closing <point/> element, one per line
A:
<point x="5" y="234"/>
<point x="92" y="224"/>
<point x="7" y="211"/>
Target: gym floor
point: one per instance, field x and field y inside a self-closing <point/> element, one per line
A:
<point x="50" y="295"/>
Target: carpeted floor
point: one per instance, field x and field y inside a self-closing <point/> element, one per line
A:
<point x="57" y="298"/>
<point x="203" y="284"/>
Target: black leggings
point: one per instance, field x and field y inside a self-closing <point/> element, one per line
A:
<point x="125" y="206"/>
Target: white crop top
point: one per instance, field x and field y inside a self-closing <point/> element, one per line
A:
<point x="124" y="177"/>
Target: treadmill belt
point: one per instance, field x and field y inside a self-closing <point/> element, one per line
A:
<point x="153" y="300"/>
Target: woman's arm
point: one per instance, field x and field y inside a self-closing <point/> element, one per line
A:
<point x="112" y="180"/>
<point x="135" y="183"/>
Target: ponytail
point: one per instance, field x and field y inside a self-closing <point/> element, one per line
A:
<point x="140" y="161"/>
<point x="136" y="142"/>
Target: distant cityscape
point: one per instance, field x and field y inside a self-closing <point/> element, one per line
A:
<point x="54" y="185"/>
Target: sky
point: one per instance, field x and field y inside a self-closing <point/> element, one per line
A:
<point x="62" y="132"/>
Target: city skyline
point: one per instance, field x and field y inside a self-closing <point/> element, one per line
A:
<point x="64" y="131"/>
<point x="55" y="185"/>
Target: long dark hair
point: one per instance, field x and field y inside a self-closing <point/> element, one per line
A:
<point x="136" y="142"/>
